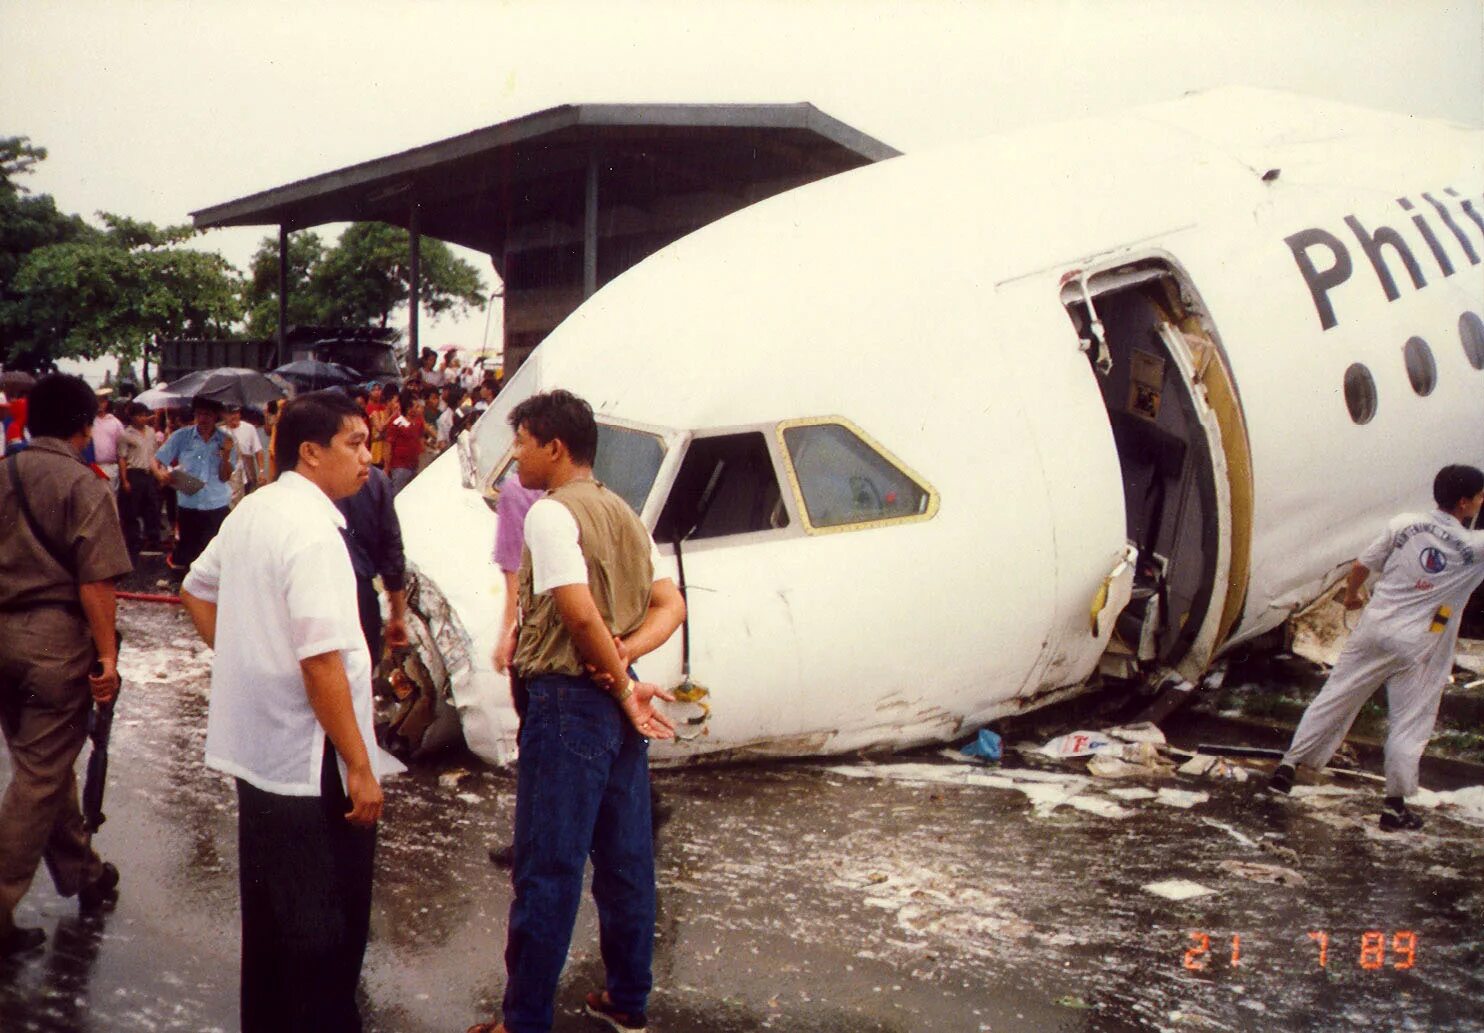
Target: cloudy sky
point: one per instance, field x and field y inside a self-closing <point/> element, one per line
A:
<point x="155" y="108"/>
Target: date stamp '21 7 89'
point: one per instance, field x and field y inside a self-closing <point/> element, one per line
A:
<point x="1373" y="949"/>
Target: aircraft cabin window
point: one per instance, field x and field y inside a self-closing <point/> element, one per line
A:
<point x="628" y="462"/>
<point x="1360" y="393"/>
<point x="1471" y="331"/>
<point x="726" y="485"/>
<point x="1422" y="369"/>
<point x="844" y="480"/>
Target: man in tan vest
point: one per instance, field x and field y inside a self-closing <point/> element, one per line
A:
<point x="590" y="603"/>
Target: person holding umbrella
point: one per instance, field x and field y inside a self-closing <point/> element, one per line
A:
<point x="60" y="552"/>
<point x="203" y="483"/>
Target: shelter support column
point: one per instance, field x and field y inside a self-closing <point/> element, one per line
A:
<point x="590" y="229"/>
<point x="414" y="285"/>
<point x="283" y="292"/>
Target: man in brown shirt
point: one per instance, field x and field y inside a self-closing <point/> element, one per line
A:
<point x="60" y="552"/>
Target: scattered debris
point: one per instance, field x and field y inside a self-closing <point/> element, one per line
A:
<point x="1106" y="766"/>
<point x="1466" y="805"/>
<point x="1207" y="766"/>
<point x="1132" y="793"/>
<point x="1072" y="1001"/>
<point x="452" y="778"/>
<point x="1269" y="874"/>
<point x="1278" y="850"/>
<point x="1177" y="889"/>
<point x="471" y="798"/>
<point x="1240" y="837"/>
<point x="1078" y="744"/>
<point x="1144" y="731"/>
<point x="986" y="746"/>
<point x="1183" y="798"/>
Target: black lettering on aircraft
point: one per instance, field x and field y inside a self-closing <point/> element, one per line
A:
<point x="1447" y="217"/>
<point x="1423" y="228"/>
<point x="1322" y="281"/>
<point x="1372" y="243"/>
<point x="1467" y="206"/>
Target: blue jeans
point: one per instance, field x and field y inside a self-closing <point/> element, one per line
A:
<point x="582" y="789"/>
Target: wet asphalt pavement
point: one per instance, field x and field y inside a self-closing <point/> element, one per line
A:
<point x="916" y="894"/>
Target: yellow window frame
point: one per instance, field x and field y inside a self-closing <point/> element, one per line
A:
<point x="881" y="450"/>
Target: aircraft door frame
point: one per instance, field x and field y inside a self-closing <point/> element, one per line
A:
<point x="1188" y="338"/>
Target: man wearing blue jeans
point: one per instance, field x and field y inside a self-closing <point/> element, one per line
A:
<point x="590" y="603"/>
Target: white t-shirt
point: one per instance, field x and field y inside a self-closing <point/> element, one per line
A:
<point x="556" y="555"/>
<point x="248" y="442"/>
<point x="281" y="578"/>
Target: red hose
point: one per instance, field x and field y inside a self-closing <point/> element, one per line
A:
<point x="148" y="597"/>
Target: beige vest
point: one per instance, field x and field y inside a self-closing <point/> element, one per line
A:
<point x="619" y="574"/>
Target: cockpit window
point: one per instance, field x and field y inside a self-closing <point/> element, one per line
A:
<point x="628" y="461"/>
<point x="726" y="485"/>
<point x="845" y="480"/>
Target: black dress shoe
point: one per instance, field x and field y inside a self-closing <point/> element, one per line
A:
<point x="102" y="892"/>
<point x="503" y="856"/>
<point x="18" y="941"/>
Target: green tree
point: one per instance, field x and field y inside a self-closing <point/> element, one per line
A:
<point x="27" y="222"/>
<point x="260" y="293"/>
<point x="360" y="281"/>
<point x="112" y="292"/>
<point x="366" y="277"/>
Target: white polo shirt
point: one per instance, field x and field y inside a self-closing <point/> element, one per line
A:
<point x="282" y="582"/>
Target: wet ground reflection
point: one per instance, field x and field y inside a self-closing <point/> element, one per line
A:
<point x="802" y="897"/>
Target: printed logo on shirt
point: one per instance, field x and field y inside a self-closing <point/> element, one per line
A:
<point x="1433" y="560"/>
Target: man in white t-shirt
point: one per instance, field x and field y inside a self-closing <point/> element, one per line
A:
<point x="591" y="600"/>
<point x="1429" y="564"/>
<point x="290" y="718"/>
<point x="248" y="469"/>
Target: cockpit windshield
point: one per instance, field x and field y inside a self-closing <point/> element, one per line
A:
<point x="628" y="461"/>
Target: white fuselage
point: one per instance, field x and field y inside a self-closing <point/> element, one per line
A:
<point x="925" y="301"/>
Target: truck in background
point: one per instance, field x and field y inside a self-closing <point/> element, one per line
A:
<point x="370" y="351"/>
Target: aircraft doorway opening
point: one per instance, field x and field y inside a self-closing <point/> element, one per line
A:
<point x="1178" y="432"/>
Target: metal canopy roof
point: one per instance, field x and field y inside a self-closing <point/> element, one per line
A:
<point x="523" y="176"/>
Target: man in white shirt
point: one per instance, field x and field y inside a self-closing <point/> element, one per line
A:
<point x="1429" y="564"/>
<point x="248" y="470"/>
<point x="290" y="718"/>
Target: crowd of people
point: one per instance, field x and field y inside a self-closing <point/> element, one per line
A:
<point x="176" y="473"/>
<point x="284" y="590"/>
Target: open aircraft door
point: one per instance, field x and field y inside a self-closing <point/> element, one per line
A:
<point x="1182" y="446"/>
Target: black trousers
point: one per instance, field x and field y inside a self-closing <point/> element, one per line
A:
<point x="197" y="528"/>
<point x="305" y="875"/>
<point x="139" y="511"/>
<point x="368" y="603"/>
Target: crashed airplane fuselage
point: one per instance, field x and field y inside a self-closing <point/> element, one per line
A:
<point x="942" y="436"/>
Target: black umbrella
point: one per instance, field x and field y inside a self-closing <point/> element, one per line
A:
<point x="312" y="374"/>
<point x="229" y="385"/>
<point x="100" y="728"/>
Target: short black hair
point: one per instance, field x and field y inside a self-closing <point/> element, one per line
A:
<point x="1455" y="483"/>
<point x="138" y="409"/>
<point x="209" y="404"/>
<point x="60" y="405"/>
<point x="562" y="416"/>
<point x="316" y="416"/>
